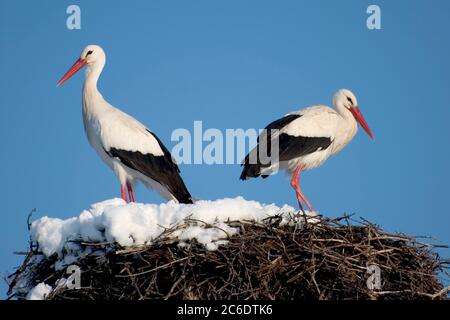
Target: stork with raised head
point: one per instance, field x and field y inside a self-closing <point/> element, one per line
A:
<point x="305" y="140"/>
<point x="132" y="151"/>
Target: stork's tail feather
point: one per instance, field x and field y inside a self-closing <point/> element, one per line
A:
<point x="187" y="199"/>
<point x="250" y="171"/>
<point x="181" y="192"/>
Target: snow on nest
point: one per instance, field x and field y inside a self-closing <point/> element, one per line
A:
<point x="39" y="292"/>
<point x="115" y="221"/>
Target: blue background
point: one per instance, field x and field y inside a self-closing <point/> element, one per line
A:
<point x="231" y="64"/>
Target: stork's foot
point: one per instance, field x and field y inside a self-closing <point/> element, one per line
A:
<point x="308" y="204"/>
<point x="301" y="198"/>
<point x="300" y="206"/>
<point x="298" y="216"/>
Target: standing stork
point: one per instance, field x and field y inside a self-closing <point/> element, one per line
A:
<point x="306" y="139"/>
<point x="132" y="151"/>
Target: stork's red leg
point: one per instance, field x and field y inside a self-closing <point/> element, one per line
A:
<point x="130" y="192"/>
<point x="295" y="183"/>
<point x="124" y="193"/>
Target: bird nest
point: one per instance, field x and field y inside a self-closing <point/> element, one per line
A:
<point x="332" y="259"/>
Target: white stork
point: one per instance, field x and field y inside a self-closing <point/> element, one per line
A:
<point x="132" y="151"/>
<point x="305" y="139"/>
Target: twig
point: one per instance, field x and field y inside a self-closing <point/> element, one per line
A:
<point x="151" y="270"/>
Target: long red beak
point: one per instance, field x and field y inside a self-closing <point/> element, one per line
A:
<point x="80" y="63"/>
<point x="360" y="118"/>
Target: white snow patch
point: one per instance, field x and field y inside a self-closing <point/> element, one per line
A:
<point x="39" y="292"/>
<point x="137" y="224"/>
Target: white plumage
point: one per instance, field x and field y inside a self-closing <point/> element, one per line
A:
<point x="315" y="121"/>
<point x="132" y="151"/>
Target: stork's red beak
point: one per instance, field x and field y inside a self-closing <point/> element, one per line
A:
<point x="80" y="63"/>
<point x="360" y="118"/>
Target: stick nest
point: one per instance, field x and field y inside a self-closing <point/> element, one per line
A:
<point x="326" y="260"/>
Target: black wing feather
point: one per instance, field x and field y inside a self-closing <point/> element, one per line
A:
<point x="162" y="169"/>
<point x="290" y="147"/>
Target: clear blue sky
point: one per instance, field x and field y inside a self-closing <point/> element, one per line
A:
<point x="232" y="64"/>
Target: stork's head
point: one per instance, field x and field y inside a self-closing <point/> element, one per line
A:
<point x="345" y="99"/>
<point x="92" y="55"/>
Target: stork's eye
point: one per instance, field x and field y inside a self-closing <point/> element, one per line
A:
<point x="350" y="100"/>
<point x="89" y="52"/>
